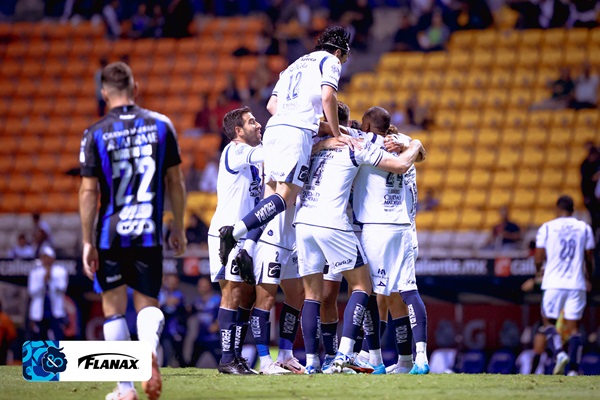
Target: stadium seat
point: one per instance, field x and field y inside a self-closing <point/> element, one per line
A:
<point x="475" y="198"/>
<point x="488" y="138"/>
<point x="479" y="178"/>
<point x="501" y="362"/>
<point x="523" y="199"/>
<point x="456" y="177"/>
<point x="532" y="157"/>
<point x="508" y="158"/>
<point x="448" y="220"/>
<point x="551" y="178"/>
<point x="425" y="220"/>
<point x="484" y="158"/>
<point x="527" y="178"/>
<point x="503" y="179"/>
<point x="471" y="362"/>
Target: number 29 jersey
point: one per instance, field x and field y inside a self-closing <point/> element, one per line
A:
<point x="129" y="151"/>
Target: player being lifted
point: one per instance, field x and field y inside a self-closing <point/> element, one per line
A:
<point x="567" y="246"/>
<point x="306" y="90"/>
<point x="132" y="156"/>
<point x="324" y="234"/>
<point x="238" y="191"/>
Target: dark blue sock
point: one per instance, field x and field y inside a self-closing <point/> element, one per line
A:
<point x="264" y="211"/>
<point x="354" y="314"/>
<point x="403" y="335"/>
<point x="371" y="325"/>
<point x="416" y="314"/>
<point x="330" y="338"/>
<point x="311" y="325"/>
<point x="553" y="341"/>
<point x="288" y="326"/>
<point x="227" y="320"/>
<point x="241" y="329"/>
<point x="259" y="321"/>
<point x="575" y="349"/>
<point x="382" y="327"/>
<point x="360" y="342"/>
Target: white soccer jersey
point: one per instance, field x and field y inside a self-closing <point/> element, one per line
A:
<point x="298" y="90"/>
<point x="411" y="196"/>
<point x="324" y="198"/>
<point x="238" y="184"/>
<point x="565" y="240"/>
<point x="379" y="196"/>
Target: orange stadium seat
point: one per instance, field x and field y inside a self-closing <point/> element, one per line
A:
<point x="523" y="198"/>
<point x="488" y="138"/>
<point x="551" y="178"/>
<point x="508" y="158"/>
<point x="503" y="179"/>
<point x="19" y="183"/>
<point x="533" y="157"/>
<point x="484" y="158"/>
<point x="527" y="178"/>
<point x="11" y="202"/>
<point x="40" y="183"/>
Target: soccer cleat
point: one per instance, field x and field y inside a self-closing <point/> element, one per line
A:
<point x="572" y="373"/>
<point x="153" y="387"/>
<point x="420" y="369"/>
<point x="292" y="365"/>
<point x="562" y="359"/>
<point x="378" y="369"/>
<point x="311" y="370"/>
<point x="131" y="394"/>
<point x="243" y="367"/>
<point x="401" y="367"/>
<point x="342" y="361"/>
<point x="274" y="369"/>
<point x="226" y="243"/>
<point x="328" y="364"/>
<point x="246" y="266"/>
<point x="231" y="368"/>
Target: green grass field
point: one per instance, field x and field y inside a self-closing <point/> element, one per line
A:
<point x="189" y="383"/>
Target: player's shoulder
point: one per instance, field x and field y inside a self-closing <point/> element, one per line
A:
<point x="146" y="113"/>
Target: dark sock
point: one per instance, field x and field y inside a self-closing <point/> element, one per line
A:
<point x="575" y="349"/>
<point x="241" y="329"/>
<point x="264" y="211"/>
<point x="311" y="325"/>
<point x="416" y="314"/>
<point x="403" y="335"/>
<point x="553" y="341"/>
<point x="288" y="326"/>
<point x="354" y="314"/>
<point x="226" y="320"/>
<point x="371" y="325"/>
<point x="330" y="338"/>
<point x="360" y="342"/>
<point x="535" y="363"/>
<point x="259" y="321"/>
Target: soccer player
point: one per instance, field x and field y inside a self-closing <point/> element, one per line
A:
<point x="567" y="246"/>
<point x="130" y="160"/>
<point x="306" y="90"/>
<point x="324" y="233"/>
<point x="238" y="191"/>
<point x="388" y="237"/>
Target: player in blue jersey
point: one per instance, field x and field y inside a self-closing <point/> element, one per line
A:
<point x="130" y="162"/>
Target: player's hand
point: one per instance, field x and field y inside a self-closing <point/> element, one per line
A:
<point x="393" y="146"/>
<point x="90" y="260"/>
<point x="351" y="142"/>
<point x="178" y="241"/>
<point x="327" y="144"/>
<point x="422" y="152"/>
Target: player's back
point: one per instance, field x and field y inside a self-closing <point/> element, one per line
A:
<point x="298" y="90"/>
<point x="325" y="196"/>
<point x="565" y="240"/>
<point x="129" y="151"/>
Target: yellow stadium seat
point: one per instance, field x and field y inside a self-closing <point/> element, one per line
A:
<point x="499" y="197"/>
<point x="462" y="40"/>
<point x="447" y="220"/>
<point x="577" y="37"/>
<point x="429" y="97"/>
<point x="540" y="119"/>
<point x="464" y="138"/>
<point x="540" y="216"/>
<point x="515" y="119"/>
<point x="523" y="198"/>
<point x="391" y="61"/>
<point x="545" y="76"/>
<point x="546" y="198"/>
<point x="572" y="180"/>
<point x="483" y="59"/>
<point x="460" y="158"/>
<point x="475" y="198"/>
<point x="445" y="119"/>
<point x="587" y="118"/>
<point x="508" y="158"/>
<point x="575" y="56"/>
<point x="471" y="220"/>
<point x="454" y="80"/>
<point x="488" y="138"/>
<point x="503" y="179"/>
<point x="425" y="220"/>
<point x="473" y="99"/>
<point x="456" y="177"/>
<point x="528" y="58"/>
<point x="554" y="37"/>
<point x="449" y="99"/>
<point x="385" y="81"/>
<point x="451" y="199"/>
<point x="506" y="58"/>
<point x="480" y="178"/>
<point x="563" y="119"/>
<point x="484" y="158"/>
<point x="519" y="98"/>
<point x="436" y="60"/>
<point x="501" y="78"/>
<point x="524" y="77"/>
<point x="531" y="37"/>
<point x="536" y="137"/>
<point x="412" y="61"/>
<point x="533" y="157"/>
<point x="556" y="158"/>
<point x="551" y="178"/>
<point x="468" y="119"/>
<point x="477" y="79"/>
<point x="560" y="138"/>
<point x="408" y="81"/>
<point x="594" y="36"/>
<point x="459" y="59"/>
<point x="486" y="39"/>
<point x="362" y="81"/>
<point x="492" y="118"/>
<point x="576" y="156"/>
<point x="522" y="216"/>
<point x="432" y="178"/>
<point x="496" y="99"/>
<point x="552" y="56"/>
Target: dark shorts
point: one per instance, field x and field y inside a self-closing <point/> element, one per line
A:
<point x="140" y="268"/>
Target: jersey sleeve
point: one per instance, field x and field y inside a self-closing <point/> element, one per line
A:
<point x="330" y="72"/>
<point x="172" y="155"/>
<point x="278" y="86"/>
<point x="238" y="156"/>
<point x="370" y="154"/>
<point x="589" y="238"/>
<point x="88" y="156"/>
<point x="541" y="237"/>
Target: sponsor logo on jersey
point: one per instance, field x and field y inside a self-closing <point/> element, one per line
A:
<point x="340" y="263"/>
<point x="235" y="270"/>
<point x="111" y="279"/>
<point x="303" y="174"/>
<point x="274" y="270"/>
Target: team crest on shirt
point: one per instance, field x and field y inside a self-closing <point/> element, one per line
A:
<point x="303" y="174"/>
<point x="335" y="69"/>
<point x="274" y="270"/>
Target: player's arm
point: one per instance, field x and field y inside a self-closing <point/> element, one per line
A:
<point x="394" y="144"/>
<point x="88" y="208"/>
<point x="401" y="164"/>
<point x="589" y="263"/>
<point x="272" y="104"/>
<point x="175" y="186"/>
<point x="539" y="257"/>
<point x="34" y="286"/>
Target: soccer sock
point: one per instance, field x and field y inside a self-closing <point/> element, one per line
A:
<point x="259" y="321"/>
<point x="241" y="329"/>
<point x="227" y="318"/>
<point x="311" y="327"/>
<point x="535" y="363"/>
<point x="251" y="240"/>
<point x="150" y="322"/>
<point x="330" y="338"/>
<point x="264" y="211"/>
<point x="353" y="319"/>
<point x="403" y="335"/>
<point x="553" y="341"/>
<point x="115" y="328"/>
<point x="575" y="349"/>
<point x="371" y="326"/>
<point x="417" y="315"/>
<point x="359" y="342"/>
<point x="382" y="327"/>
<point x="288" y="327"/>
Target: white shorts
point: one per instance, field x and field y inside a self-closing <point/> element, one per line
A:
<point x="272" y="264"/>
<point x="218" y="272"/>
<point x="317" y="245"/>
<point x="571" y="301"/>
<point x="287" y="154"/>
<point x="329" y="275"/>
<point x="391" y="258"/>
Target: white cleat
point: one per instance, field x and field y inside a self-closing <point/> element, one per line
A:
<point x="292" y="365"/>
<point x="401" y="367"/>
<point x="274" y="369"/>
<point x="572" y="373"/>
<point x="562" y="359"/>
<point x="131" y="394"/>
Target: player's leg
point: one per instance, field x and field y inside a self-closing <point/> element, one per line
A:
<point x="573" y="312"/>
<point x="402" y="333"/>
<point x="242" y="322"/>
<point x="289" y="321"/>
<point x="553" y="302"/>
<point x="539" y="347"/>
<point x="329" y="319"/>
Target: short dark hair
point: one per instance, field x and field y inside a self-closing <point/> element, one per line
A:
<point x="565" y="203"/>
<point x="343" y="113"/>
<point x="118" y="76"/>
<point x="334" y="38"/>
<point x="355" y="124"/>
<point x="380" y="118"/>
<point x="232" y="119"/>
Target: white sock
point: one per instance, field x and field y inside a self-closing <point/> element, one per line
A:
<point x="265" y="361"/>
<point x="249" y="246"/>
<point x="375" y="357"/>
<point x="405" y="358"/>
<point x="150" y="322"/>
<point x="421" y="347"/>
<point x="313" y="359"/>
<point x="421" y="357"/>
<point x="284" y="355"/>
<point x="239" y="230"/>
<point x="117" y="329"/>
<point x="364" y="355"/>
<point x="346" y="345"/>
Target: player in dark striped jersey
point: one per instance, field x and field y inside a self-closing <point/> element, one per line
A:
<point x="130" y="159"/>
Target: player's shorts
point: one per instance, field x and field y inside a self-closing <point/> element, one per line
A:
<point x="140" y="268"/>
<point x="328" y="274"/>
<point x="272" y="263"/>
<point x="571" y="301"/>
<point x="287" y="154"/>
<point x="316" y="245"/>
<point x="218" y="272"/>
<point x="390" y="252"/>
